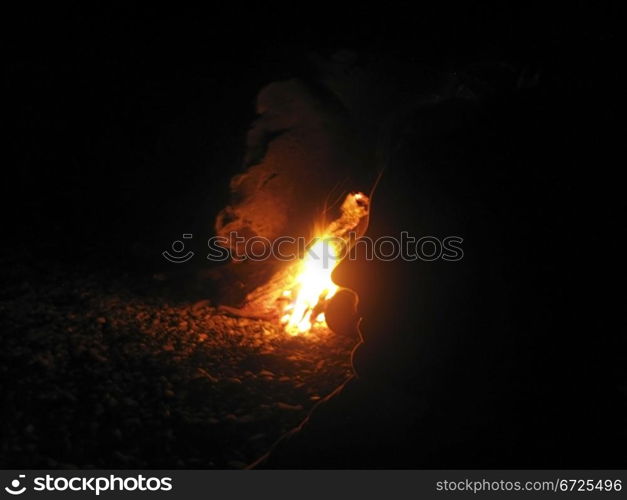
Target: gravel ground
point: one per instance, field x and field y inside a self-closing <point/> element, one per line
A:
<point x="97" y="374"/>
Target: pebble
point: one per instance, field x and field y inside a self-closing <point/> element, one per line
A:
<point x="286" y="406"/>
<point x="200" y="305"/>
<point x="131" y="400"/>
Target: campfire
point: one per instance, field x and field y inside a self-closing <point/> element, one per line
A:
<point x="313" y="286"/>
<point x="298" y="294"/>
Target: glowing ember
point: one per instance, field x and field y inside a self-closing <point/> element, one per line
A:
<point x="313" y="287"/>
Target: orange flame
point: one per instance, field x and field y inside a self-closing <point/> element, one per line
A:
<point x="312" y="288"/>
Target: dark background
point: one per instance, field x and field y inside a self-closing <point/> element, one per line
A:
<point x="125" y="125"/>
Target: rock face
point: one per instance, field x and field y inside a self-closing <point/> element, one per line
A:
<point x="314" y="141"/>
<point x="302" y="154"/>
